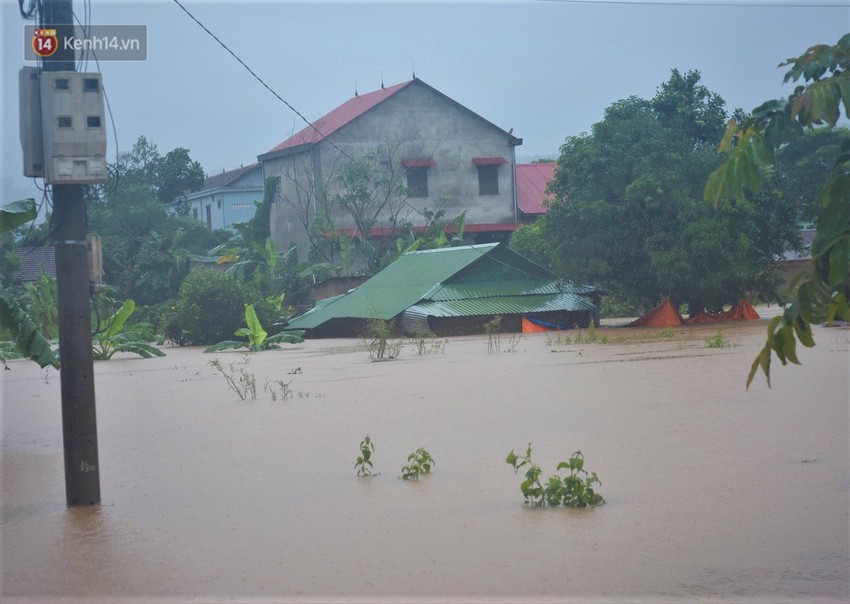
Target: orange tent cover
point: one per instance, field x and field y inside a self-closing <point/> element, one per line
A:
<point x="742" y="311"/>
<point x="663" y="315"/>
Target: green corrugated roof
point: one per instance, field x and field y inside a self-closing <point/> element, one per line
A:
<point x="399" y="286"/>
<point x="458" y="281"/>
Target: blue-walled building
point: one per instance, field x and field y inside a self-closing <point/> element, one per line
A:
<point x="227" y="197"/>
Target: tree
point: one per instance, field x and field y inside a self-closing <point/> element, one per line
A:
<point x="751" y="145"/>
<point x="628" y="214"/>
<point x="804" y="163"/>
<point x="145" y="249"/>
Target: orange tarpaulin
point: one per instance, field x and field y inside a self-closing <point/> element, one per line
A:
<point x="532" y="325"/>
<point x="742" y="311"/>
<point x="663" y="315"/>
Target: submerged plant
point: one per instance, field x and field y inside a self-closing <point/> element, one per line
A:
<point x="363" y="465"/>
<point x="493" y="329"/>
<point x="110" y="337"/>
<point x="576" y="490"/>
<point x="257" y="337"/>
<point x="418" y="462"/>
<point x="380" y="346"/>
<point x="718" y="340"/>
<point x="242" y="382"/>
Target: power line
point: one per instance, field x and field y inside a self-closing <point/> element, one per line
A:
<point x="259" y="79"/>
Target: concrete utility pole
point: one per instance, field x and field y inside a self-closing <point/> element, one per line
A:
<point x="79" y="424"/>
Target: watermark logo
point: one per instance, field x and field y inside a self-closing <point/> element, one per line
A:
<point x="44" y="42"/>
<point x="101" y="42"/>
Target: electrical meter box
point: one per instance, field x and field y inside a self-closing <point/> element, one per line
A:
<point x="32" y="142"/>
<point x="73" y="127"/>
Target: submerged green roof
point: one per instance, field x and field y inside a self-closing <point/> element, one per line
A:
<point x="472" y="279"/>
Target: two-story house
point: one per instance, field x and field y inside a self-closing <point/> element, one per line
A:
<point x="417" y="151"/>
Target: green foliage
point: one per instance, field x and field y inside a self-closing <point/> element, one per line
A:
<point x="13" y="317"/>
<point x="418" y="462"/>
<point x="364" y="465"/>
<point x="257" y="336"/>
<point x="13" y="215"/>
<point x="643" y="166"/>
<point x="426" y="345"/>
<point x="380" y="346"/>
<point x="209" y="308"/>
<point x="146" y="250"/>
<point x="27" y="337"/>
<point x="493" y="329"/>
<point x="111" y="337"/>
<point x="718" y="340"/>
<point x="666" y="332"/>
<point x="752" y="144"/>
<point x="40" y="297"/>
<point x="530" y="241"/>
<point x="576" y="490"/>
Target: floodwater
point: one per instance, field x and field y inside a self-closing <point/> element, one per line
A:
<point x="713" y="492"/>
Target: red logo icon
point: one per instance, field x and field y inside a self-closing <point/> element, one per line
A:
<point x="44" y="42"/>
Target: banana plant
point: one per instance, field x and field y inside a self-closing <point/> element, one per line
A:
<point x="111" y="339"/>
<point x="257" y="337"/>
<point x="28" y="338"/>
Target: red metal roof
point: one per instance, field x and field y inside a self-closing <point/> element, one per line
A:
<point x="339" y="117"/>
<point x="531" y="181"/>
<point x="487" y="161"/>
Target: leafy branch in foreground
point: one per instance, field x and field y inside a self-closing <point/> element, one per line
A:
<point x="824" y="289"/>
<point x="575" y="490"/>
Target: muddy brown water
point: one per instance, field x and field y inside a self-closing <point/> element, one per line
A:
<point x="713" y="492"/>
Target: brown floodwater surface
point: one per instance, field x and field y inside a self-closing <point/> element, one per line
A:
<point x="712" y="491"/>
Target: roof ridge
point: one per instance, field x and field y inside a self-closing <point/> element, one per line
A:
<point x="340" y="116"/>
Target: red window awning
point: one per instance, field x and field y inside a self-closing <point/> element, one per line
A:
<point x="488" y="161"/>
<point x="418" y="162"/>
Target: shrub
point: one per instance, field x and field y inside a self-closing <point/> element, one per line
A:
<point x="210" y="308"/>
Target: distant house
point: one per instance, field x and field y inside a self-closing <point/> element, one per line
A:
<point x="35" y="262"/>
<point x="453" y="291"/>
<point x="531" y="183"/>
<point x="444" y="155"/>
<point x="227" y="197"/>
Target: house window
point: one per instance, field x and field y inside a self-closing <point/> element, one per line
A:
<point x="209" y="217"/>
<point x="417" y="182"/>
<point x="488" y="179"/>
<point x="417" y="176"/>
<point x="195" y="213"/>
<point x="218" y="203"/>
<point x="488" y="174"/>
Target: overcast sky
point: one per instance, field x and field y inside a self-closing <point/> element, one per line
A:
<point x="546" y="69"/>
